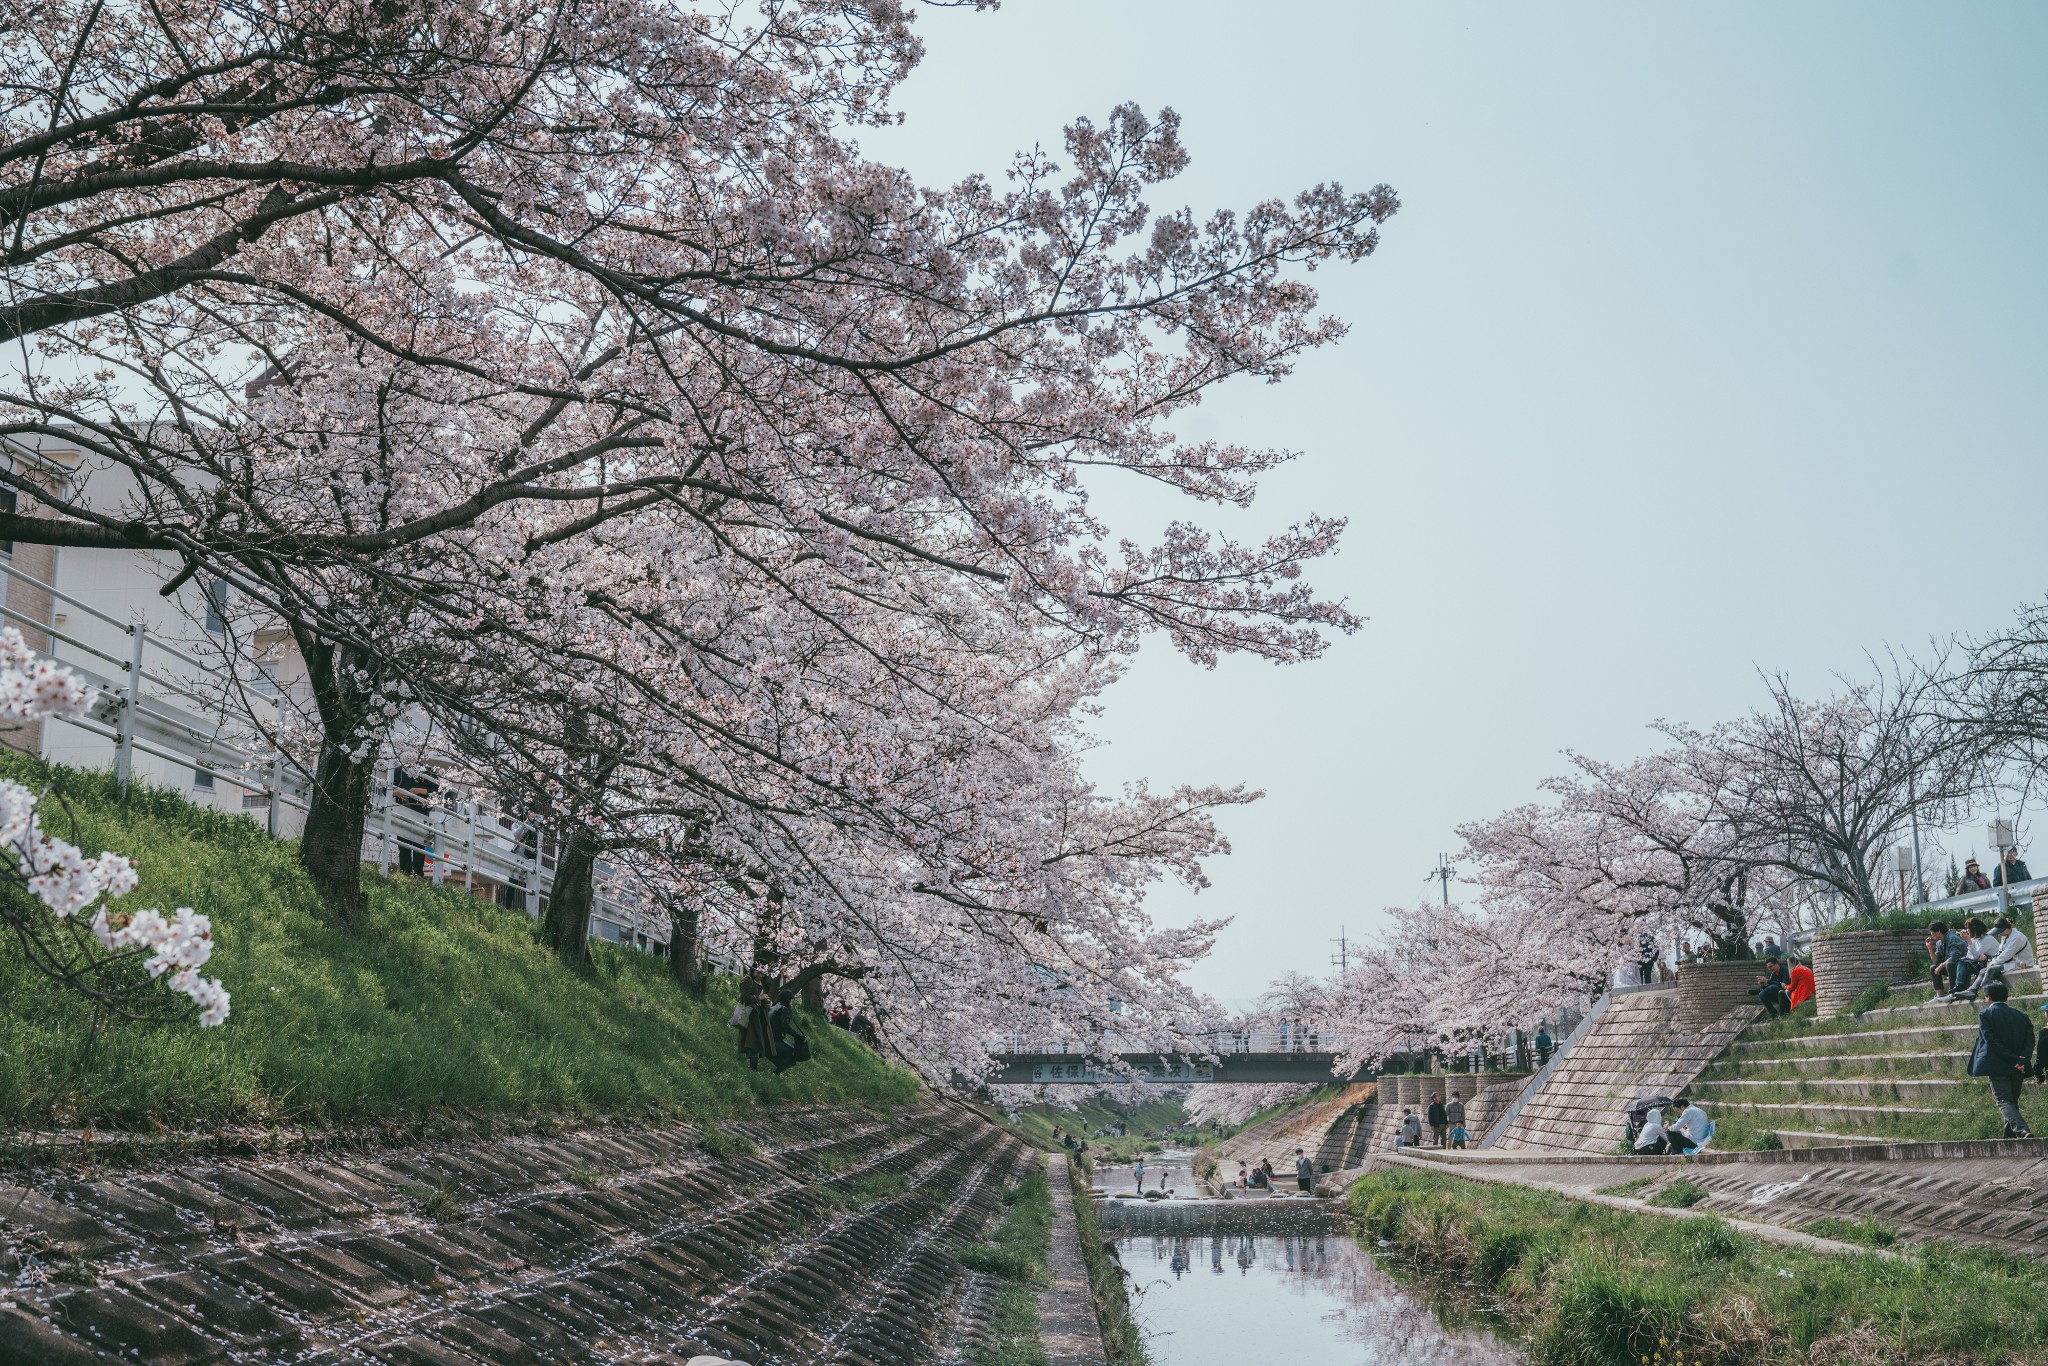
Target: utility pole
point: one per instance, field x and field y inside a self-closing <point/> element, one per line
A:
<point x="1442" y="874"/>
<point x="1341" y="959"/>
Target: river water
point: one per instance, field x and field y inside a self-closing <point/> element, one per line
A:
<point x="1264" y="1280"/>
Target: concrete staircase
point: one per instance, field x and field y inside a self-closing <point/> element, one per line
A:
<point x="1896" y="1072"/>
<point x="1649" y="1041"/>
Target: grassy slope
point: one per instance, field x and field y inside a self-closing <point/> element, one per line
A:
<point x="1122" y="1342"/>
<point x="1036" y="1123"/>
<point x="1967" y="1114"/>
<point x="1593" y="1286"/>
<point x="1016" y="1252"/>
<point x="443" y="1001"/>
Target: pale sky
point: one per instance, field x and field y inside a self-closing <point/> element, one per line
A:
<point x="1706" y="339"/>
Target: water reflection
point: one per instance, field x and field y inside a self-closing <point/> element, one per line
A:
<point x="1253" y="1282"/>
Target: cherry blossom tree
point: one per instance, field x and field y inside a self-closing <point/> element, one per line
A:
<point x="115" y="958"/>
<point x="398" y="333"/>
<point x="1821" y="792"/>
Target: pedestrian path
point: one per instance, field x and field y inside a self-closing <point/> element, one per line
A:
<point x="1067" y="1326"/>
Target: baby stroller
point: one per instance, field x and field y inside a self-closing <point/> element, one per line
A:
<point x="1639" y="1110"/>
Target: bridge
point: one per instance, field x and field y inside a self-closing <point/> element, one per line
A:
<point x="1245" y="1057"/>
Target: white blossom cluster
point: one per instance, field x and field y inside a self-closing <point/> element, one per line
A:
<point x="31" y="688"/>
<point x="58" y="874"/>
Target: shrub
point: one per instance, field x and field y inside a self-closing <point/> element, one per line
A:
<point x="1601" y="1315"/>
<point x="1870" y="998"/>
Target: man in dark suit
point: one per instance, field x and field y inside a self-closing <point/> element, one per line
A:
<point x="2005" y="1046"/>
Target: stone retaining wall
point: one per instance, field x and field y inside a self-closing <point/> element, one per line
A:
<point x="819" y="1237"/>
<point x="1707" y="991"/>
<point x="1846" y="965"/>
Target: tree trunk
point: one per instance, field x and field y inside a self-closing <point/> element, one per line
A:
<point x="344" y="778"/>
<point x="331" y="845"/>
<point x="683" y="963"/>
<point x="566" y="927"/>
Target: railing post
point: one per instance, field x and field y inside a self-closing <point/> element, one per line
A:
<point x="276" y="790"/>
<point x="469" y="849"/>
<point x="436" y="827"/>
<point x="533" y="882"/>
<point x="384" y="839"/>
<point x="124" y="744"/>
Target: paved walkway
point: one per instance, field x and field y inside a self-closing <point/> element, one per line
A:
<point x="1067" y="1327"/>
<point x="1989" y="1192"/>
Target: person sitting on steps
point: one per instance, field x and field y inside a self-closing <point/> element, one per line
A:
<point x="2005" y="1047"/>
<point x="1653" y="1140"/>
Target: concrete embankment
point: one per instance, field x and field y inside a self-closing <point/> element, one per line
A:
<point x="824" y="1236"/>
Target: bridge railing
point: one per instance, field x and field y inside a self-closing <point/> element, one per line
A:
<point x="1223" y="1042"/>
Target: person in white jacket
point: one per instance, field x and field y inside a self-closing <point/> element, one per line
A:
<point x="2014" y="952"/>
<point x="1650" y="1141"/>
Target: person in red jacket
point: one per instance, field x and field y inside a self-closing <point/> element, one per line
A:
<point x="1801" y="987"/>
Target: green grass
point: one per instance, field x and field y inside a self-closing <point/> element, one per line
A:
<point x="1869" y="1231"/>
<point x="1680" y="1194"/>
<point x="1122" y="1342"/>
<point x="443" y="1003"/>
<point x="1589" y="1285"/>
<point x="1016" y="1252"/>
<point x="1626" y="1187"/>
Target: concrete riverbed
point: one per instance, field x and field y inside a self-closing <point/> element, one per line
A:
<point x="1259" y="1277"/>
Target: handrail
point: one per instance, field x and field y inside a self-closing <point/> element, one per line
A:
<point x="1498" y="1129"/>
<point x="174" y="736"/>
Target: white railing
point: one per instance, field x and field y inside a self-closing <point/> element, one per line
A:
<point x="142" y="709"/>
<point x="1994" y="899"/>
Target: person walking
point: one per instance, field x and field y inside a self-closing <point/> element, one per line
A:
<point x="1542" y="1043"/>
<point x="1304" y="1172"/>
<point x="1141" y="1175"/>
<point x="1439" y="1122"/>
<point x="755" y="1039"/>
<point x="1410" y="1135"/>
<point x="1454" y="1111"/>
<point x="1973" y="879"/>
<point x="2005" y="1047"/>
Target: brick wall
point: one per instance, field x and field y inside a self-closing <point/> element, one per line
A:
<point x="1844" y="965"/>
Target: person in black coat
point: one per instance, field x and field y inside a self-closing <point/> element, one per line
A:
<point x="2005" y="1048"/>
<point x="2011" y="871"/>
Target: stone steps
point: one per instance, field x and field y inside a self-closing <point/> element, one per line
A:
<point x="1642" y="1043"/>
<point x="1777" y="1111"/>
<point x="1835" y="1088"/>
<point x="1962" y="1010"/>
<point x="1909" y="1036"/>
<point x="1841" y="1065"/>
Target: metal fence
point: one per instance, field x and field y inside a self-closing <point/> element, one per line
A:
<point x="158" y="699"/>
<point x="1307" y="1039"/>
